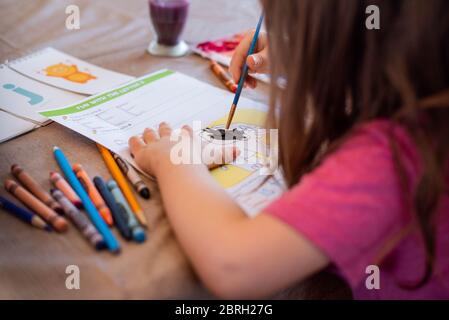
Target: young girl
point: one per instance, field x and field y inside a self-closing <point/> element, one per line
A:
<point x="367" y="172"/>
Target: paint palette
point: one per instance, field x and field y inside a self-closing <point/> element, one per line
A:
<point x="222" y="50"/>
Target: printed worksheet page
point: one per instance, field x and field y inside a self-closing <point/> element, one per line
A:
<point x="112" y="117"/>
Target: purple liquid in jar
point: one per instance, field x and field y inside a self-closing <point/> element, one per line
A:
<point x="169" y="18"/>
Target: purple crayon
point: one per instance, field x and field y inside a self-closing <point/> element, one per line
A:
<point x="79" y="220"/>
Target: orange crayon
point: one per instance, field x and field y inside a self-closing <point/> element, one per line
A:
<point x="60" y="183"/>
<point x="36" y="205"/>
<point x="122" y="183"/>
<point x="224" y="77"/>
<point x="93" y="193"/>
<point x="35" y="188"/>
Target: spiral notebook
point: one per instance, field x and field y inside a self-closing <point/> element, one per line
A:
<point x="25" y="97"/>
<point x="12" y="126"/>
<point x="46" y="79"/>
<point x="66" y="72"/>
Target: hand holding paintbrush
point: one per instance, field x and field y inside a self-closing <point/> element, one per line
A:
<point x="244" y="73"/>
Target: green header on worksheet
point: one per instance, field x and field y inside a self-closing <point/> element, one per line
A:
<point x="107" y="96"/>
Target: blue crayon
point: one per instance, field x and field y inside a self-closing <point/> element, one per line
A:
<point x="24" y="214"/>
<point x="120" y="218"/>
<point x="137" y="230"/>
<point x="95" y="217"/>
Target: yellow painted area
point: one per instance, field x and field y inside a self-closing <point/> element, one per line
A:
<point x="230" y="175"/>
<point x="247" y="116"/>
<point x="261" y="156"/>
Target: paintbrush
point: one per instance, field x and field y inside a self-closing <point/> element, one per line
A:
<point x="251" y="49"/>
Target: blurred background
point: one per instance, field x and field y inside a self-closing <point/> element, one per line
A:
<point x="113" y="33"/>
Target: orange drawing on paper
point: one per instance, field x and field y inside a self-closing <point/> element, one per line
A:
<point x="68" y="72"/>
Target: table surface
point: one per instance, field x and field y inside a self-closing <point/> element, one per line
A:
<point x="114" y="34"/>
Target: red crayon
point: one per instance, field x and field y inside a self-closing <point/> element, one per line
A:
<point x="32" y="186"/>
<point x="49" y="215"/>
<point x="223" y="76"/>
<point x="60" y="183"/>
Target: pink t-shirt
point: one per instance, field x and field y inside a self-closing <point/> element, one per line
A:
<point x="351" y="208"/>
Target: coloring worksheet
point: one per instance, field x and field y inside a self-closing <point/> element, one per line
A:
<point x="63" y="71"/>
<point x="25" y="97"/>
<point x="242" y="179"/>
<point x="112" y="117"/>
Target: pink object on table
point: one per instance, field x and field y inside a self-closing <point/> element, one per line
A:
<point x="221" y="45"/>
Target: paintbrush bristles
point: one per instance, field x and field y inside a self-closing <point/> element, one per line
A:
<point x="231" y="116"/>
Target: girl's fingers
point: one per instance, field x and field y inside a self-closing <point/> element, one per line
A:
<point x="258" y="62"/>
<point x="229" y="154"/>
<point x="149" y="135"/>
<point x="251" y="82"/>
<point x="135" y="144"/>
<point x="239" y="56"/>
<point x="164" y="130"/>
<point x="224" y="156"/>
<point x="187" y="129"/>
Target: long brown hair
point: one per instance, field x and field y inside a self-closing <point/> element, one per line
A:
<point x="339" y="74"/>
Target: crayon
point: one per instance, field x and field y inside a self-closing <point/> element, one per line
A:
<point x="60" y="183"/>
<point x="132" y="176"/>
<point x="57" y="222"/>
<point x="79" y="220"/>
<point x="23" y="214"/>
<point x="35" y="188"/>
<point x="95" y="217"/>
<point x="120" y="217"/>
<point x="137" y="230"/>
<point x="224" y="77"/>
<point x="122" y="183"/>
<point x="96" y="198"/>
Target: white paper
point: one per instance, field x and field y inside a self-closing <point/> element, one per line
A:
<point x="61" y="70"/>
<point x="25" y="97"/>
<point x="11" y="126"/>
<point x="111" y="118"/>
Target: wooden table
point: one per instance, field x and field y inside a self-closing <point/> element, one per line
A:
<point x="114" y="34"/>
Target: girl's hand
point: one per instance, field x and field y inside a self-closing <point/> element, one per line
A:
<point x="153" y="151"/>
<point x="257" y="62"/>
